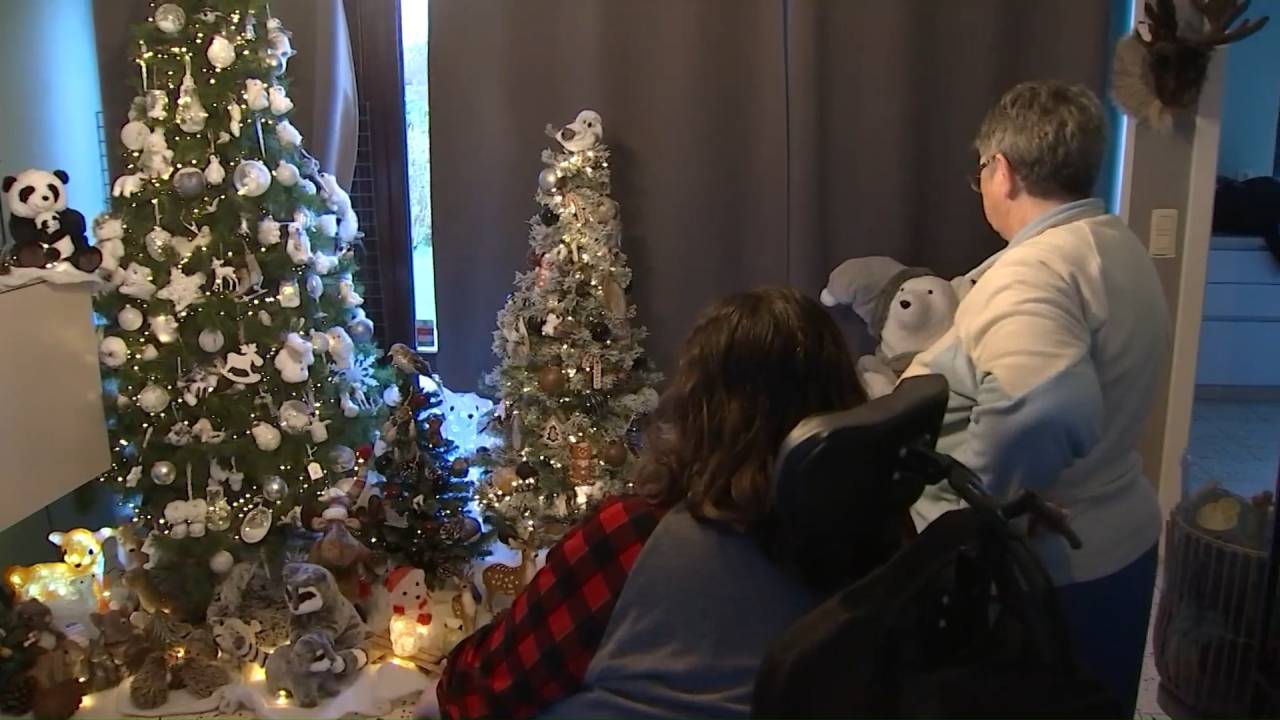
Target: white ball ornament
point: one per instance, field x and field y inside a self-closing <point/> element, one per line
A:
<point x="170" y="18"/>
<point x="391" y="396"/>
<point x="153" y="399"/>
<point x="286" y="173"/>
<point x="221" y="52"/>
<point x="164" y="473"/>
<point x="221" y="562"/>
<point x="295" y="416"/>
<point x="129" y="318"/>
<point x="113" y="352"/>
<point x="134" y="135"/>
<point x="251" y="178"/>
<point x="211" y="340"/>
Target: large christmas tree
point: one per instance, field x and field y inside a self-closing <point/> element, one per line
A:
<point x="238" y="362"/>
<point x="572" y="377"/>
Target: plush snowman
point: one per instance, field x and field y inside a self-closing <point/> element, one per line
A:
<point x="410" y="613"/>
<point x="906" y="309"/>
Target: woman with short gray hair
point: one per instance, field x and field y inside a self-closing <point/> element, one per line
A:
<point x="1053" y="361"/>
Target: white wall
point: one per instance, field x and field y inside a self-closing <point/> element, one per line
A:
<point x="1251" y="102"/>
<point x="49" y="102"/>
<point x="51" y="97"/>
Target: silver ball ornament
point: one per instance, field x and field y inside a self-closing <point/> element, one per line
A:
<point x="315" y="286"/>
<point x="189" y="182"/>
<point x="548" y="179"/>
<point x="251" y="178"/>
<point x="164" y="473"/>
<point x="170" y="18"/>
<point x="274" y="488"/>
<point x="342" y="459"/>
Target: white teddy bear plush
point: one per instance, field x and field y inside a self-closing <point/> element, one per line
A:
<point x="294" y="359"/>
<point x="905" y="309"/>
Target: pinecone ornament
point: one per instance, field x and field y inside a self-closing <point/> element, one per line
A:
<point x="16" y="696"/>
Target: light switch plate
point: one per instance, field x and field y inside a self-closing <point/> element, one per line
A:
<point x="1164" y="233"/>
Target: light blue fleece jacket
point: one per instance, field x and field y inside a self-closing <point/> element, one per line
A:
<point x="1053" y="361"/>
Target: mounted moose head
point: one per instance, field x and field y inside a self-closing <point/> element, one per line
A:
<point x="1159" y="68"/>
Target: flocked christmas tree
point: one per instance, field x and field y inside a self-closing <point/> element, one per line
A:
<point x="238" y="363"/>
<point x="422" y="516"/>
<point x="572" y="377"/>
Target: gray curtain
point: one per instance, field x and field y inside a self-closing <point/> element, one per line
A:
<point x="757" y="141"/>
<point x="886" y="98"/>
<point x="693" y="97"/>
<point x="322" y="76"/>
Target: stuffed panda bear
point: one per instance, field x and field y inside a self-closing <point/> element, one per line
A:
<point x="45" y="230"/>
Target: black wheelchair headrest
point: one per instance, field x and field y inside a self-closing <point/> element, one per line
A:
<point x="834" y="484"/>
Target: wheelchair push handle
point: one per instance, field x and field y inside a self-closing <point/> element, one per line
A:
<point x="934" y="467"/>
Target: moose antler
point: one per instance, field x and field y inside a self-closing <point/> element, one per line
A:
<point x="1220" y="15"/>
<point x="1161" y="23"/>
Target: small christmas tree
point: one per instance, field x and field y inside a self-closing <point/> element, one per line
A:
<point x="421" y="517"/>
<point x="238" y="364"/>
<point x="572" y="376"/>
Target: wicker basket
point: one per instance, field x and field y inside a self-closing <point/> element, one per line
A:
<point x="1206" y="625"/>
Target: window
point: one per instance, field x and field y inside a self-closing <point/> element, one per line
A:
<point x="417" y="117"/>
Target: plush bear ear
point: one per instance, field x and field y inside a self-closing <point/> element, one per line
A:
<point x="9" y="181"/>
<point x="62" y="175"/>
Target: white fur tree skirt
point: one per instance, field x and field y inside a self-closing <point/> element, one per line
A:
<point x="380" y="690"/>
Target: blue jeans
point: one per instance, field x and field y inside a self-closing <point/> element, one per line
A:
<point x="1107" y="622"/>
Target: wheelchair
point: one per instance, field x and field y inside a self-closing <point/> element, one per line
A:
<point x="960" y="621"/>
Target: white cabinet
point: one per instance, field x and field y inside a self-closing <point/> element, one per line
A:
<point x="53" y="435"/>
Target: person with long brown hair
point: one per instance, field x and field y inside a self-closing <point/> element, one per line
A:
<point x="663" y="603"/>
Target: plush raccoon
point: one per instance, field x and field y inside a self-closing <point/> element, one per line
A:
<point x="318" y="606"/>
<point x="305" y="669"/>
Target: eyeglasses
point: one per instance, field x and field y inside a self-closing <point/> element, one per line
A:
<point x="975" y="180"/>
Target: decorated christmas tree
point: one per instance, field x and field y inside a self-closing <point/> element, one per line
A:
<point x="239" y="366"/>
<point x="421" y="516"/>
<point x="572" y="377"/>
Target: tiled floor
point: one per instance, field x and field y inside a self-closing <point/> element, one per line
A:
<point x="1235" y="443"/>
